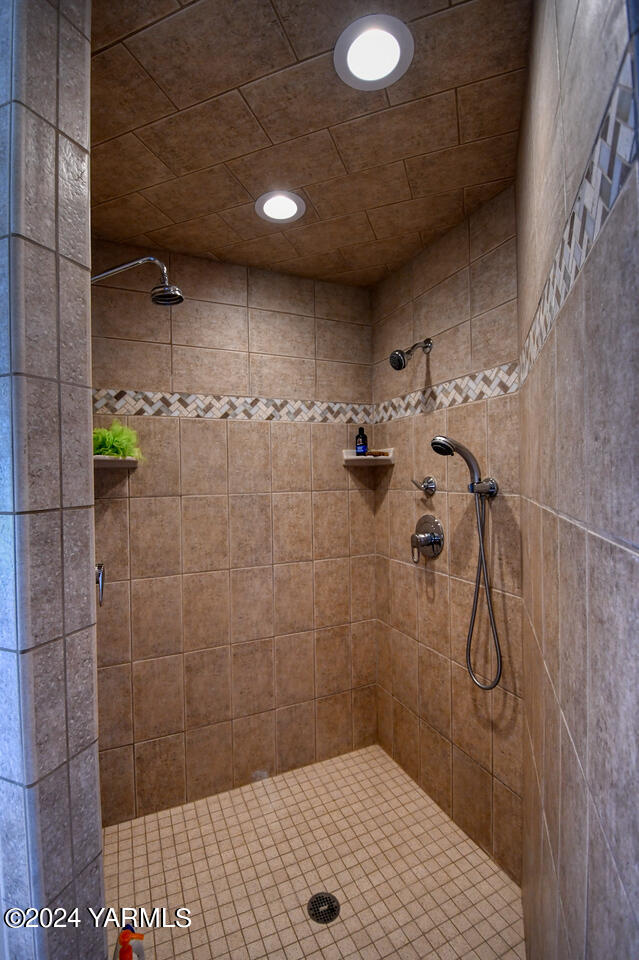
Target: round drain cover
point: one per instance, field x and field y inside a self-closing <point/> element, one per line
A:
<point x="323" y="907"/>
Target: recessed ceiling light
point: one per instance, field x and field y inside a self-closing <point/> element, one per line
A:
<point x="373" y="52"/>
<point x="280" y="206"/>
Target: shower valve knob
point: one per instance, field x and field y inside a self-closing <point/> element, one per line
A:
<point x="428" y="539"/>
<point x="428" y="486"/>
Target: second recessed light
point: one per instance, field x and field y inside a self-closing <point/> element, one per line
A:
<point x="280" y="206"/>
<point x="373" y="52"/>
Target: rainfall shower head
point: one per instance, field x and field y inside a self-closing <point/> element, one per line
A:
<point x="446" y="447"/>
<point x="399" y="358"/>
<point x="165" y="294"/>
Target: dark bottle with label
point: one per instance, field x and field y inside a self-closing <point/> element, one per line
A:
<point x="361" y="443"/>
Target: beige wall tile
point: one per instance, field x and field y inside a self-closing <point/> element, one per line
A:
<point x="291" y="451"/>
<point x="251" y="603"/>
<point x="435" y="766"/>
<point x="249" y="457"/>
<point x="433" y="611"/>
<point x="450" y="357"/>
<point x="282" y="377"/>
<point x="327" y="442"/>
<point x="364" y="717"/>
<point x="252" y="672"/>
<point x="156" y="617"/>
<point x="155" y="536"/>
<point x="334" y="731"/>
<point x="127" y="315"/>
<point x="350" y="382"/>
<point x="205" y="533"/>
<point x="114" y="625"/>
<point x="295" y="728"/>
<point x="362" y="587"/>
<point x="112" y="537"/>
<point x="283" y="334"/>
<point x="332" y="660"/>
<point x="507" y="830"/>
<point x="403" y="598"/>
<point x="343" y="341"/>
<point x="158" y="473"/>
<point x="404" y="662"/>
<point x="293" y="592"/>
<point x="493" y="278"/>
<point x="158" y="697"/>
<point x="494" y="336"/>
<point x="207" y="686"/>
<point x="253" y="748"/>
<point x="209" y="371"/>
<point x="406" y="739"/>
<point x="332" y="592"/>
<point x="117" y="785"/>
<point x="472" y="799"/>
<point x="250" y="528"/>
<point x="209" y="761"/>
<point x="363" y="652"/>
<point x="443" y="306"/>
<point x="130" y="365"/>
<point x="115" y="706"/>
<point x="207" y="280"/>
<point x="203" y="457"/>
<point x="294" y="668"/>
<point x="339" y="302"/>
<point x="330" y="525"/>
<point x="492" y="224"/>
<point x="292" y="527"/>
<point x="205" y="609"/>
<point x="159" y="774"/>
<point x="198" y="323"/>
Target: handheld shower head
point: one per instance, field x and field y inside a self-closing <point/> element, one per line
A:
<point x="399" y="358"/>
<point x="446" y="447"/>
<point x="165" y="294"/>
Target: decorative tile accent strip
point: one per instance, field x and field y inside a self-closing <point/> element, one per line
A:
<point x="138" y="403"/>
<point x="610" y="162"/>
<point x="477" y="386"/>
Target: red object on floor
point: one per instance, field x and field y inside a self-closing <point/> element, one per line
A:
<point x="126" y="950"/>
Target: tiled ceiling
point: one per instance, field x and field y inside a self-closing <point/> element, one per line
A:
<point x="199" y="107"/>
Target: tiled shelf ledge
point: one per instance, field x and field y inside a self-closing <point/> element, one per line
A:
<point x="114" y="463"/>
<point x="352" y="460"/>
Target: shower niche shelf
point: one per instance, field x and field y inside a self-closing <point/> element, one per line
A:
<point x="352" y="460"/>
<point x="114" y="463"/>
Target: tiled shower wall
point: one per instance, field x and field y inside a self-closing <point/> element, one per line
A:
<point x="237" y="637"/>
<point x="580" y="520"/>
<point x="463" y="745"/>
<point x="51" y="849"/>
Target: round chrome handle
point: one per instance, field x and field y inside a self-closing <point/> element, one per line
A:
<point x="428" y="539"/>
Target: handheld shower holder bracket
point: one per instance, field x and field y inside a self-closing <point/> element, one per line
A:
<point x="485" y="488"/>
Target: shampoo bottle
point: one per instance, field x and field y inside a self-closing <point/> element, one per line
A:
<point x="361" y="443"/>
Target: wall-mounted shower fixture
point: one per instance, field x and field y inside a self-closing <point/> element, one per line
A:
<point x="428" y="486"/>
<point x="428" y="539"/>
<point x="399" y="358"/>
<point x="482" y="490"/>
<point x="165" y="294"/>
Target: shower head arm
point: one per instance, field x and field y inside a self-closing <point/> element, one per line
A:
<point x="426" y="345"/>
<point x="129" y="266"/>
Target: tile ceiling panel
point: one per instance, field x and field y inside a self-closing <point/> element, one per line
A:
<point x="198" y="107"/>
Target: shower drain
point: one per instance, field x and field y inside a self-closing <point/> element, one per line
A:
<point x="323" y="907"/>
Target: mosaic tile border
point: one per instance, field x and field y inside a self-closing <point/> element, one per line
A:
<point x="495" y="382"/>
<point x="139" y="403"/>
<point x="611" y="160"/>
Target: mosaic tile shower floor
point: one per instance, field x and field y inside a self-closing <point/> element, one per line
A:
<point x="411" y="884"/>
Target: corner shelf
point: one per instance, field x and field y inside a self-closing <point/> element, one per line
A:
<point x="352" y="460"/>
<point x="114" y="463"/>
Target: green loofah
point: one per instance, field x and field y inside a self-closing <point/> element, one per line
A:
<point x="117" y="441"/>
